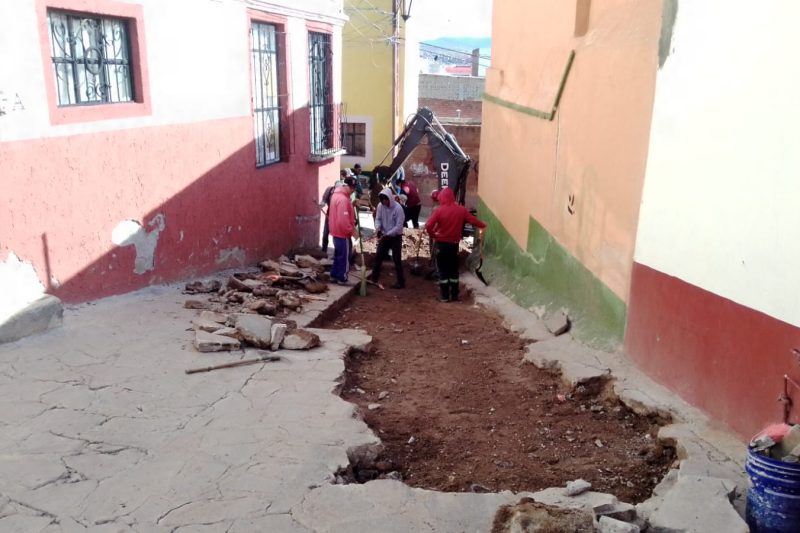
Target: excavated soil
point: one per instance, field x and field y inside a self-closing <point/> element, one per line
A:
<point x="460" y="411"/>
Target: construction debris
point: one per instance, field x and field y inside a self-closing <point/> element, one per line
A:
<point x="249" y="308"/>
<point x="779" y="441"/>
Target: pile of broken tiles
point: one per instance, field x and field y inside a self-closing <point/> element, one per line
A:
<point x="780" y="441"/>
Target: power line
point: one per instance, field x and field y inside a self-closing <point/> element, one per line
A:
<point x="454" y="50"/>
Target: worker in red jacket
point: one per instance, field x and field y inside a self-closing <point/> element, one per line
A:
<point x="342" y="222"/>
<point x="445" y="226"/>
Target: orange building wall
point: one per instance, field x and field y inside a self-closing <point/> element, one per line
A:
<point x="580" y="175"/>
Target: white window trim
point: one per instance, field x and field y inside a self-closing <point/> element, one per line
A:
<point x="365" y="161"/>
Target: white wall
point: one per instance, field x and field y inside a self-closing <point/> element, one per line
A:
<point x="197" y="57"/>
<point x="721" y="203"/>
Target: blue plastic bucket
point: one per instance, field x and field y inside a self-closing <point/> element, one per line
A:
<point x="773" y="499"/>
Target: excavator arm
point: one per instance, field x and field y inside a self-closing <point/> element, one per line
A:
<point x="452" y="164"/>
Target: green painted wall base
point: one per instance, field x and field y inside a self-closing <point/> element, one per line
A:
<point x="546" y="274"/>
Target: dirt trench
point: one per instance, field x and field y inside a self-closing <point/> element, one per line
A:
<point x="458" y="410"/>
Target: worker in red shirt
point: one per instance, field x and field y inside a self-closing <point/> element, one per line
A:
<point x="413" y="203"/>
<point x="342" y="222"/>
<point x="445" y="226"/>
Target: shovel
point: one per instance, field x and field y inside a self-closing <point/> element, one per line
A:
<point x="475" y="259"/>
<point x="416" y="267"/>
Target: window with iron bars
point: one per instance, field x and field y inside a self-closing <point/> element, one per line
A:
<point x="323" y="113"/>
<point x="91" y="59"/>
<point x="354" y="138"/>
<point x="266" y="96"/>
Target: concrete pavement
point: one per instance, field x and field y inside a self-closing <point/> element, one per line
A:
<point x="103" y="431"/>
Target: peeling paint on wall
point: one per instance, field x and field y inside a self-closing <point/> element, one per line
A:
<point x="131" y="232"/>
<point x="19" y="285"/>
<point x="668" y="16"/>
<point x="236" y="255"/>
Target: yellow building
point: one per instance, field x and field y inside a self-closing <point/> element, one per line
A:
<point x="379" y="78"/>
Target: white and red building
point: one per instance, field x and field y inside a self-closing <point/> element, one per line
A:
<point x="143" y="141"/>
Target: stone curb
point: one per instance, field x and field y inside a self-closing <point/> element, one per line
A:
<point x="40" y="315"/>
<point x="698" y="496"/>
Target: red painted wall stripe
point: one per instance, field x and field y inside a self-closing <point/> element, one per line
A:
<point x="723" y="357"/>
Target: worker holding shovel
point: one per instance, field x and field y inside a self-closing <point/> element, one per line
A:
<point x="445" y="226"/>
<point x="342" y="222"/>
<point x="389" y="222"/>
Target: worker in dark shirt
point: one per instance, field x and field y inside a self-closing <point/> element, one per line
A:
<point x="413" y="203"/>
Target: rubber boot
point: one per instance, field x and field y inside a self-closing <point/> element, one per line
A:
<point x="445" y="289"/>
<point x="453" y="291"/>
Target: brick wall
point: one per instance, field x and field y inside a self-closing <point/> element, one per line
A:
<point x="464" y="109"/>
<point x="419" y="166"/>
<point x="445" y="87"/>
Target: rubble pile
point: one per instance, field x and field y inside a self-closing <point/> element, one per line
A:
<point x="779" y="441"/>
<point x="250" y="308"/>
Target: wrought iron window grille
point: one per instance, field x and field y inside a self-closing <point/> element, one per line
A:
<point x="91" y="59"/>
<point x="324" y="115"/>
<point x="267" y="98"/>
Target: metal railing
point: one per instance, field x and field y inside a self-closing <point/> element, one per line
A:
<point x="325" y="128"/>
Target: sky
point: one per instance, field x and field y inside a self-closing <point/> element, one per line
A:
<point x="451" y="18"/>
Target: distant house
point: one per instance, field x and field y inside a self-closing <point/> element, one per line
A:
<point x="379" y="72"/>
<point x="622" y="183"/>
<point x="142" y="143"/>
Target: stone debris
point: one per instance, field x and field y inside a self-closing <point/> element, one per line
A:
<point x="222" y="318"/>
<point x="612" y="525"/>
<point x="202" y="287"/>
<point x="778" y="441"/>
<point x="210" y="342"/>
<point x="619" y="511"/>
<point x="254" y="330"/>
<point x="196" y="304"/>
<point x="277" y="334"/>
<point x="576" y="487"/>
<point x="383" y="395"/>
<point x="374" y="406"/>
<point x="300" y="339"/>
<point x="202" y="324"/>
<point x="282" y="287"/>
<point x="531" y="516"/>
<point x="228" y="332"/>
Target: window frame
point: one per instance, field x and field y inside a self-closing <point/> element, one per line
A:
<point x="265" y="104"/>
<point x="328" y="117"/>
<point x="285" y="140"/>
<point x="346" y="134"/>
<point x="71" y="61"/>
<point x="133" y="15"/>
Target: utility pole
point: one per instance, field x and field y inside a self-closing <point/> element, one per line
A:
<point x="395" y="66"/>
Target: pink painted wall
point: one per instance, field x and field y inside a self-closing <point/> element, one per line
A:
<point x="66" y="195"/>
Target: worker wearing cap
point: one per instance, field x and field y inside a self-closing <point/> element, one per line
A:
<point x="342" y="224"/>
<point x="445" y="226"/>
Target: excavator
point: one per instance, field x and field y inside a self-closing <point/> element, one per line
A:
<point x="452" y="164"/>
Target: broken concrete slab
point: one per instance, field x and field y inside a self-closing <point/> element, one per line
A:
<point x="277" y="335"/>
<point x="210" y="342"/>
<point x="300" y="339"/>
<point x="203" y="324"/>
<point x="40" y="315"/>
<point x="213" y="316"/>
<point x="557" y="323"/>
<point x="694" y="504"/>
<point x="585" y="500"/>
<point x="612" y="525"/>
<point x="579" y="364"/>
<point x="389" y="506"/>
<point x="255" y="330"/>
<point x="530" y="516"/>
<point x="515" y="318"/>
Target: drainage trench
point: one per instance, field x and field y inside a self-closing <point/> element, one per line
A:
<point x="445" y="389"/>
